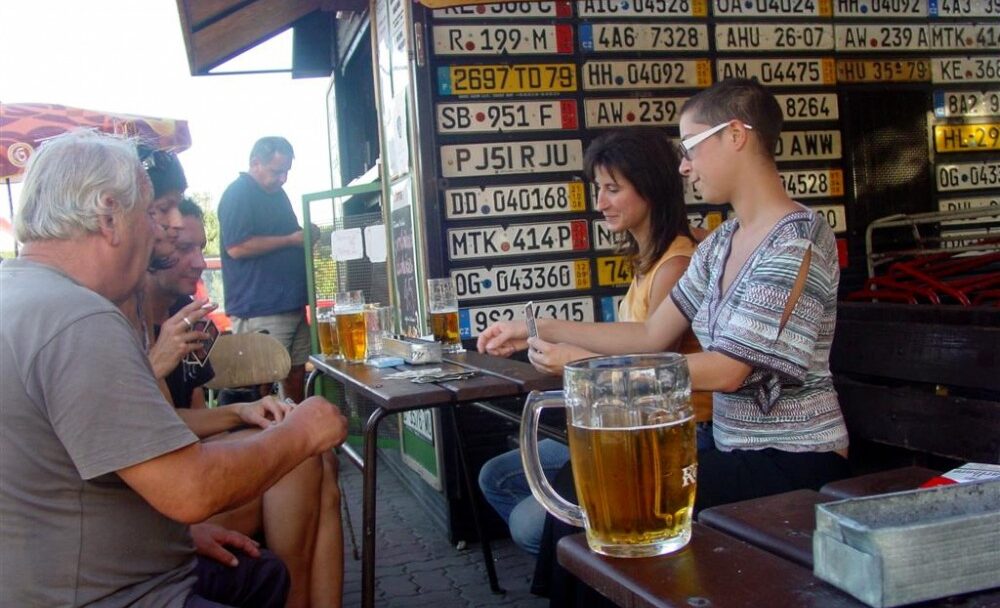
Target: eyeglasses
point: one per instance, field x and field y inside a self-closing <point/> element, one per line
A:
<point x="688" y="144"/>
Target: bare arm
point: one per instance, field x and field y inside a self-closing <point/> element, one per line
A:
<point x="712" y="371"/>
<point x="259" y="245"/>
<point x="205" y="422"/>
<point x="197" y="481"/>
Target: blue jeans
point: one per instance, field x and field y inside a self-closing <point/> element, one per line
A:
<point x="505" y="487"/>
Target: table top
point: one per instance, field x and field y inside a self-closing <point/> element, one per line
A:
<point x="497" y="377"/>
<point x="714" y="570"/>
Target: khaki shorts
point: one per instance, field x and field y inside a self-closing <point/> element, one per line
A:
<point x="289" y="328"/>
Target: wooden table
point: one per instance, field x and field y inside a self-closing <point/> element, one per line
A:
<point x="497" y="377"/>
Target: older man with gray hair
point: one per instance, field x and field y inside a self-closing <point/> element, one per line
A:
<point x="99" y="477"/>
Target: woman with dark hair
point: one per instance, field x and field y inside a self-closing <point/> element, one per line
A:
<point x="642" y="199"/>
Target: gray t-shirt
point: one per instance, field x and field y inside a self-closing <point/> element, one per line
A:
<point x="79" y="402"/>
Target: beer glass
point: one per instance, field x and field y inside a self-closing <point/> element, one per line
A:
<point x="351" y="331"/>
<point x="329" y="345"/>
<point x="444" y="314"/>
<point x="378" y="323"/>
<point x="632" y="448"/>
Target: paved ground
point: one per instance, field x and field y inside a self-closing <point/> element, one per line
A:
<point x="417" y="566"/>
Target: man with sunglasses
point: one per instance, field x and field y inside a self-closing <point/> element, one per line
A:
<point x="263" y="268"/>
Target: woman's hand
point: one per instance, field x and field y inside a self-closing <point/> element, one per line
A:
<point x="503" y="339"/>
<point x="177" y="339"/>
<point x="551" y="358"/>
<point x="264" y="412"/>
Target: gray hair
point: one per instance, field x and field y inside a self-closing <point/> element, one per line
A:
<point x="68" y="182"/>
<point x="266" y="147"/>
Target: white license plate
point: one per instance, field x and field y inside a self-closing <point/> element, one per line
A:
<point x="964" y="8"/>
<point x="880" y="9"/>
<point x="968" y="203"/>
<point x="604" y="239"/>
<point x="690" y="196"/>
<point x="813" y="183"/>
<point x="773" y="8"/>
<point x="452" y="40"/>
<point x="876" y="38"/>
<point x="952" y="239"/>
<point x="883" y="70"/>
<point x="981" y="68"/>
<point x="948" y="104"/>
<point x="653" y="74"/>
<point x="968" y="176"/>
<point x="514" y="200"/>
<point x="835" y="215"/>
<point x="808" y="145"/>
<point x="481" y="282"/>
<point x="965" y="36"/>
<point x="632" y="111"/>
<point x="503" y="158"/>
<point x="611" y="37"/>
<point x="780" y="72"/>
<point x="761" y="37"/>
<point x="642" y="8"/>
<point x="506" y="116"/>
<point x="473" y="320"/>
<point x="801" y="107"/>
<point x="507" y="10"/>
<point x="517" y="239"/>
<point x="609" y="308"/>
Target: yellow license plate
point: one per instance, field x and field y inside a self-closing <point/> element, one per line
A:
<point x="883" y="70"/>
<point x="502" y="79"/>
<point x="613" y="271"/>
<point x="967" y="138"/>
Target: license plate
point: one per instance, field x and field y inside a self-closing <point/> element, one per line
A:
<point x="632" y="111"/>
<point x="952" y="239"/>
<point x="642" y="8"/>
<point x="451" y="40"/>
<point x="604" y="239"/>
<point x="504" y="79"/>
<point x="690" y="196"/>
<point x="780" y="72"/>
<point x="965" y="36"/>
<point x="835" y="215"/>
<point x="888" y="70"/>
<point x="643" y="37"/>
<point x="473" y="320"/>
<point x="809" y="106"/>
<point x="653" y="74"/>
<point x="808" y="145"/>
<point x="481" y="282"/>
<point x="852" y="37"/>
<point x="709" y="221"/>
<point x="949" y="104"/>
<point x="969" y="203"/>
<point x="967" y="138"/>
<point x="773" y="8"/>
<point x="504" y="158"/>
<point x="880" y="9"/>
<point x="613" y="271"/>
<point x="514" y="200"/>
<point x="968" y="176"/>
<point x="813" y="183"/>
<point x="506" y="116"/>
<point x="754" y="37"/>
<point x="517" y="239"/>
<point x="982" y="68"/>
<point x="507" y="10"/>
<point x="964" y="8"/>
<point x="609" y="308"/>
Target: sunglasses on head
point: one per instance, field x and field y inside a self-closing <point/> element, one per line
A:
<point x="688" y="144"/>
<point x="156" y="159"/>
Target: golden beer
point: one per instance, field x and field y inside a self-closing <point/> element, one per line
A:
<point x="329" y="345"/>
<point x="352" y="335"/>
<point x="444" y="325"/>
<point x="636" y="486"/>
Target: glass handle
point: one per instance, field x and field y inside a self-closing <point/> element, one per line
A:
<point x="540" y="487"/>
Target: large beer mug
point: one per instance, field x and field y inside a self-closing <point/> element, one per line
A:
<point x="632" y="447"/>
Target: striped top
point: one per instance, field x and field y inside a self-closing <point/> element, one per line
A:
<point x="788" y="401"/>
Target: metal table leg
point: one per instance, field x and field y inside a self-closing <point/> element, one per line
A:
<point x="368" y="509"/>
<point x="310" y="386"/>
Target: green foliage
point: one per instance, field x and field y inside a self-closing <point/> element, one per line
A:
<point x="204" y="200"/>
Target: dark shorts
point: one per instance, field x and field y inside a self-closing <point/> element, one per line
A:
<point x="253" y="583"/>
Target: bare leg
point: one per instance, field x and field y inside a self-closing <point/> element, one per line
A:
<point x="328" y="560"/>
<point x="291" y="516"/>
<point x="294" y="385"/>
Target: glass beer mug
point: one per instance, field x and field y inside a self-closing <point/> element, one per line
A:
<point x="632" y="447"/>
